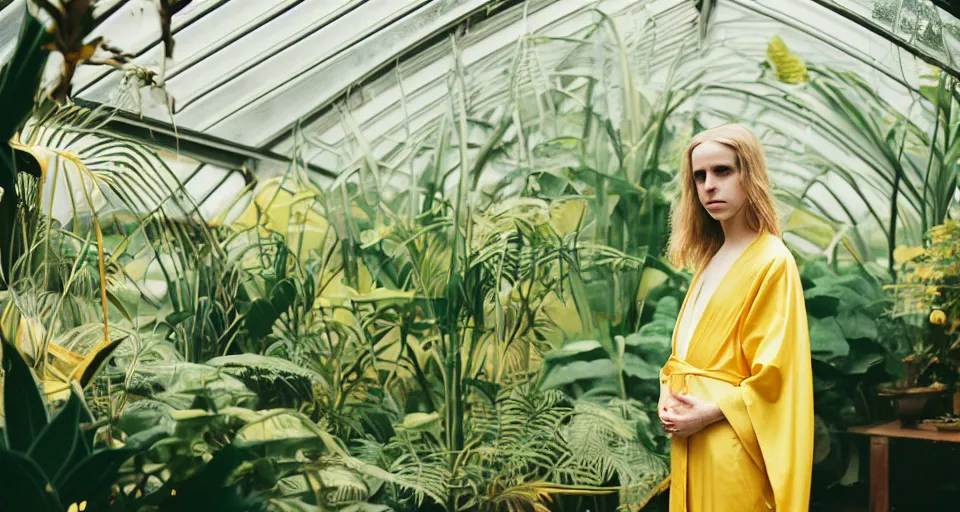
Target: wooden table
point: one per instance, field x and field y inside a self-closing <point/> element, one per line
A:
<point x="880" y="436"/>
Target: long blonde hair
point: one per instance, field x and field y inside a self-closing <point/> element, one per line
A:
<point x="695" y="236"/>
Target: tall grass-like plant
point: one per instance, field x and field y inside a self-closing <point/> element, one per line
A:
<point x="500" y="274"/>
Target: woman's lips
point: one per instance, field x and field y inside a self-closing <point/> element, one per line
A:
<point x="715" y="204"/>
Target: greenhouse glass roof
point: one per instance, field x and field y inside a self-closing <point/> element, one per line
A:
<point x="260" y="84"/>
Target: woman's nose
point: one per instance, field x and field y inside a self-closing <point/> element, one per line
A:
<point x="710" y="183"/>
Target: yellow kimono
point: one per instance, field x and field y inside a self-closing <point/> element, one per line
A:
<point x="750" y="354"/>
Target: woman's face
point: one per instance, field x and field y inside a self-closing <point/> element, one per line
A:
<point x="717" y="179"/>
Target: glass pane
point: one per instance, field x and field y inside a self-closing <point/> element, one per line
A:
<point x="296" y="40"/>
<point x="239" y="33"/>
<point x="423" y="96"/>
<point x="133" y="28"/>
<point x="275" y="113"/>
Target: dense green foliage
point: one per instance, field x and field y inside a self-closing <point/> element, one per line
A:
<point x="454" y="342"/>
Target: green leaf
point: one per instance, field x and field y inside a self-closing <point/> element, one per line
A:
<point x="91" y="480"/>
<point x="240" y="364"/>
<point x="579" y="370"/>
<point x="822" y="301"/>
<point x="144" y="439"/>
<point x="21" y="77"/>
<point x="650" y="346"/>
<point x="116" y="299"/>
<point x="270" y="376"/>
<point x="634" y="366"/>
<point x="550" y="184"/>
<point x="857" y="325"/>
<point x="19" y="81"/>
<point x="281" y="433"/>
<point x="209" y="489"/>
<point x="489" y="389"/>
<point x="87" y="435"/>
<point x="830" y="295"/>
<point x="813" y="270"/>
<point x="864" y="354"/>
<point x="23" y="485"/>
<point x="260" y="318"/>
<point x="385" y="296"/>
<point x="345" y="486"/>
<point x="821" y="440"/>
<point x="289" y="505"/>
<point x="144" y="414"/>
<point x="420" y="421"/>
<point x="827" y="341"/>
<point x="93" y="363"/>
<point x="283" y="296"/>
<point x="176" y="318"/>
<point x="582" y="350"/>
<point x="854" y="282"/>
<point x="59" y="446"/>
<point x="24" y="410"/>
<point x="367" y="507"/>
<point x="183" y="382"/>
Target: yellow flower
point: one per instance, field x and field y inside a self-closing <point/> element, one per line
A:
<point x="789" y="67"/>
<point x="903" y="254"/>
<point x="938" y="317"/>
<point x="923" y="273"/>
<point x="932" y="290"/>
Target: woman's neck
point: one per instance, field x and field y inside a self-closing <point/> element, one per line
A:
<point x="736" y="230"/>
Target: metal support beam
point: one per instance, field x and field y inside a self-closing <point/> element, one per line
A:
<point x="882" y="32"/>
<point x="202" y="147"/>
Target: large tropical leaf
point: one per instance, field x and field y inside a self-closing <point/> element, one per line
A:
<point x="59" y="446"/>
<point x="24" y="486"/>
<point x="19" y="81"/>
<point x="270" y="376"/>
<point x="25" y="414"/>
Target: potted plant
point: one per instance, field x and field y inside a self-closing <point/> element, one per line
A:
<point x="927" y="297"/>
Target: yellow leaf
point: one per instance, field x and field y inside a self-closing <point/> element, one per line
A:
<point x="567" y="215"/>
<point x="903" y="254"/>
<point x="385" y="295"/>
<point x="650" y="279"/>
<point x="30" y="335"/>
<point x="811" y="228"/>
<point x="420" y="420"/>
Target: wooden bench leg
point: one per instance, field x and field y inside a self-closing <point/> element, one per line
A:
<point x="879" y="474"/>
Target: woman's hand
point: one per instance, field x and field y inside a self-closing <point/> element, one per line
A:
<point x="666" y="403"/>
<point x="690" y="416"/>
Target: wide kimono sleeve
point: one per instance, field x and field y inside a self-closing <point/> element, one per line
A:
<point x="772" y="409"/>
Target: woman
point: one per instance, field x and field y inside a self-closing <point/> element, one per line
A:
<point x="737" y="392"/>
